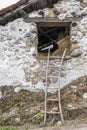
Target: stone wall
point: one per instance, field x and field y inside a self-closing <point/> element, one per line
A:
<point x="18" y="46"/>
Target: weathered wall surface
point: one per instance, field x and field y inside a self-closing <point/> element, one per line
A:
<point x="18" y="44"/>
<point x="18" y="41"/>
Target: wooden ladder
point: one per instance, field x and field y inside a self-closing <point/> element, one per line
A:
<point x="58" y="99"/>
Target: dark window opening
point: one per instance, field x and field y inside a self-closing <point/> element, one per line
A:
<point x="49" y="36"/>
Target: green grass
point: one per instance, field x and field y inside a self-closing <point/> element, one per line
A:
<point x="39" y="117"/>
<point x="7" y="128"/>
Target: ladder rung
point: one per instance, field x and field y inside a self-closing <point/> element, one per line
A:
<point x="52" y="88"/>
<point x="54" y="67"/>
<point x="53" y="76"/>
<point x="53" y="100"/>
<point x="43" y="69"/>
<point x="55" y="57"/>
<point x="53" y="113"/>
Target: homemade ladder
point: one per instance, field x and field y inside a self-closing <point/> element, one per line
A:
<point x="58" y="99"/>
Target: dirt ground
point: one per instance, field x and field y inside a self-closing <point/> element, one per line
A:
<point x="26" y="109"/>
<point x="84" y="127"/>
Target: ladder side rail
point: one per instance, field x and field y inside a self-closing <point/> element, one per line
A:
<point x="46" y="86"/>
<point x="61" y="114"/>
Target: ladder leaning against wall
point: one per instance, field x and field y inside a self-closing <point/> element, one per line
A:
<point x="58" y="99"/>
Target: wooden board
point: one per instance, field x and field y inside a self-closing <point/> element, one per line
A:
<point x="48" y="22"/>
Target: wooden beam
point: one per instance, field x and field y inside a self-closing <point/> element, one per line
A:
<point x="48" y="22"/>
<point x="49" y="30"/>
<point x="23" y="13"/>
<point x="47" y="35"/>
<point x="44" y="45"/>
